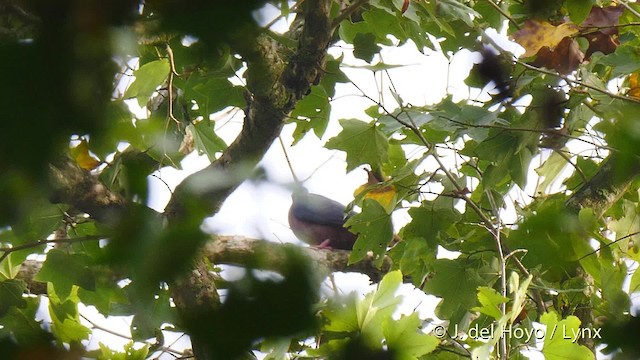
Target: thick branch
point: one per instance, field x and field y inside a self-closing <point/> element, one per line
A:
<point x="607" y="186"/>
<point x="246" y="252"/>
<point x="267" y="255"/>
<point x="77" y="187"/>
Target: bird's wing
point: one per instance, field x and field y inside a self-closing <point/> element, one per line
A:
<point x="318" y="209"/>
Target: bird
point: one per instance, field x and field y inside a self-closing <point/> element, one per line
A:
<point x="319" y="221"/>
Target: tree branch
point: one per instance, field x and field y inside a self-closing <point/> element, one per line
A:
<point x="252" y="253"/>
<point x="275" y="88"/>
<point x="607" y="186"/>
<point x="77" y="187"/>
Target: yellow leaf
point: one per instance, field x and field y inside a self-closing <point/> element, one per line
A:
<point x="384" y="195"/>
<point x="536" y="34"/>
<point x="82" y="156"/>
<point x="634" y="88"/>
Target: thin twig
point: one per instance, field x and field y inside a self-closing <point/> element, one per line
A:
<point x="626" y="6"/>
<point x="126" y="337"/>
<point x="609" y="244"/>
<point x="577" y="82"/>
<point x="293" y="8"/>
<point x="503" y="269"/>
<point x="172" y="73"/>
<point x="503" y="13"/>
<point x="575" y="166"/>
<point x="286" y="156"/>
<point x="8" y="250"/>
<point x="540" y="131"/>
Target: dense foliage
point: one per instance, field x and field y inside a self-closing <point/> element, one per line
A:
<point x="75" y="159"/>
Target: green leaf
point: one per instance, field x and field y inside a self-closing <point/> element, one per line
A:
<point x="342" y="318"/>
<point x="366" y="315"/>
<point x="383" y="23"/>
<point x="364" y="144"/>
<point x="431" y="220"/>
<point x="365" y="46"/>
<point x="415" y="258"/>
<point x="332" y="75"/>
<point x="151" y="315"/>
<point x="519" y="291"/>
<point x="455" y="281"/>
<point x="148" y="77"/>
<point x="624" y="61"/>
<point x="379" y="305"/>
<point x="65" y="317"/>
<point x="375" y="231"/>
<point x="43" y="219"/>
<point x="553" y="237"/>
<point x="10" y="266"/>
<point x="560" y="341"/>
<point x="634" y="284"/>
<point x="405" y="339"/>
<point x="312" y="112"/>
<point x="11" y="292"/>
<point x="490" y="300"/>
<point x="21" y="324"/>
<point x="206" y="140"/>
<point x="216" y="94"/>
<point x="578" y="9"/>
<point x="520" y="167"/>
<point x="130" y="352"/>
<point x="64" y="270"/>
<point x="457" y="10"/>
<point x="550" y="170"/>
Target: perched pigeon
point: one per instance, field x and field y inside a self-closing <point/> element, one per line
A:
<point x="319" y="221"/>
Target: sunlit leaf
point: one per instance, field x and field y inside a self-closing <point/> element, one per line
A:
<point x="490" y="301"/>
<point x="560" y="342"/>
<point x="83" y="158"/>
<point x="405" y="338"/>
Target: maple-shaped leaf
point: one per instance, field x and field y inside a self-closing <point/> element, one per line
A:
<point x="375" y="231"/>
<point x="564" y="58"/>
<point x="560" y="342"/>
<point x="364" y="143"/>
<point x="82" y="156"/>
<point x="534" y="35"/>
<point x="605" y="21"/>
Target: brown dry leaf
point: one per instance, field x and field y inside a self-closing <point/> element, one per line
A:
<point x="535" y="35"/>
<point x="565" y="58"/>
<point x="606" y="21"/>
<point x="82" y="156"/>
<point x="634" y="86"/>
